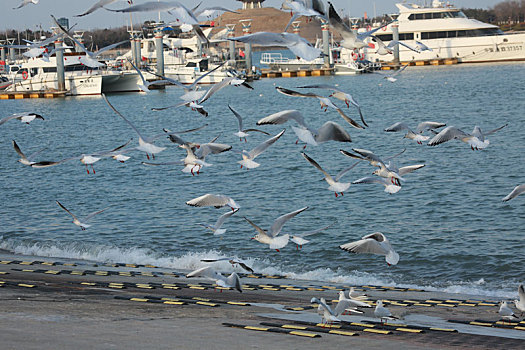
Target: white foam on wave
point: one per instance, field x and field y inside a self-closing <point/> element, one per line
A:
<point x="192" y="261"/>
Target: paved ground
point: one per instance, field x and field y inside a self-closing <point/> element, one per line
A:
<point x="47" y="307"/>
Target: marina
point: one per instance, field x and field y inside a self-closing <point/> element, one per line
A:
<point x="170" y="191"/>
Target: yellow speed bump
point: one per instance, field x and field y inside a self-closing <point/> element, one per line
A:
<point x="442" y="329"/>
<point x="305" y="334"/>
<point x="139" y="299"/>
<point x="206" y="303"/>
<point x="174" y="302"/>
<point x="409" y="330"/>
<point x="26" y="285"/>
<point x="237" y="303"/>
<point x="339" y="332"/>
<point x="3" y="273"/>
<point x="378" y="331"/>
<point x="291" y="326"/>
<point x="481" y="324"/>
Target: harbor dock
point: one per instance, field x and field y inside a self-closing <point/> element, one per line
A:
<point x="18" y="95"/>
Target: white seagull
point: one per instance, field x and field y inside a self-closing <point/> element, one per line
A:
<point x="515" y="192"/>
<point x="328" y="316"/>
<point x="338" y="94"/>
<point x="299" y="8"/>
<point x="298" y="45"/>
<point x="520" y="303"/>
<point x="98" y="5"/>
<point x="233" y="261"/>
<point x="383" y="313"/>
<point x="383" y="49"/>
<point x="92" y="158"/>
<point x="29" y="160"/>
<point x="348" y="304"/>
<point x="213" y="200"/>
<point x="476" y="140"/>
<point x="390" y="187"/>
<point x="232" y="281"/>
<point x="350" y="40"/>
<point x="248" y="157"/>
<point x="324" y="101"/>
<point x="418" y="134"/>
<point x="145" y="144"/>
<point x="375" y="243"/>
<point x="392" y="76"/>
<point x="26" y="2"/>
<point x="271" y="237"/>
<point x="23" y="117"/>
<point x="299" y="239"/>
<point x="81" y="222"/>
<point x="329" y="131"/>
<point x="216" y="228"/>
<point x="335" y="185"/>
<point x="506" y="312"/>
<point x="242" y="133"/>
<point x="385" y="170"/>
<point x="422" y="47"/>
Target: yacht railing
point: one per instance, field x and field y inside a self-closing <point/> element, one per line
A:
<point x="273" y="58"/>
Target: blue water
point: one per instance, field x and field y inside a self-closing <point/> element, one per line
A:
<point x="448" y="223"/>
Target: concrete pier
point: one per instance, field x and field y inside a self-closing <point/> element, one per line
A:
<point x="325" y="28"/>
<point x="159" y="46"/>
<point x="60" y="66"/>
<point x="395" y="36"/>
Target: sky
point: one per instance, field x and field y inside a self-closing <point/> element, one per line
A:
<point x="32" y="16"/>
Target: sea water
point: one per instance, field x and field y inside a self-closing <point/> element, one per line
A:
<point x="448" y="223"/>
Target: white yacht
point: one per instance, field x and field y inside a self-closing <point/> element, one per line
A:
<point x="37" y="74"/>
<point x="450" y="34"/>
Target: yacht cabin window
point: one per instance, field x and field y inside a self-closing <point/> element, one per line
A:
<point x="436" y="15"/>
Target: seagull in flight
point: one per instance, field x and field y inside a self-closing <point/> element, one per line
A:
<point x="338" y="94"/>
<point x="81" y="222"/>
<point x="418" y="134"/>
<point x="375" y="243"/>
<point x="242" y="133"/>
<point x="216" y="228"/>
<point x="248" y="157"/>
<point x="23" y="117"/>
<point x="299" y="239"/>
<point x="271" y="236"/>
<point x="299" y="8"/>
<point x="98" y="5"/>
<point x="392" y="76"/>
<point x="329" y="131"/>
<point x="26" y="2"/>
<point x="145" y="144"/>
<point x="213" y="200"/>
<point x="232" y="261"/>
<point x="514" y="193"/>
<point x="326" y="312"/>
<point x="335" y="185"/>
<point x="350" y="40"/>
<point x="324" y="101"/>
<point x="390" y="187"/>
<point x="520" y="303"/>
<point x="232" y="281"/>
<point x="28" y="160"/>
<point x="476" y="140"/>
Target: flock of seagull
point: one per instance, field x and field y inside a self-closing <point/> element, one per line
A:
<point x="386" y="173"/>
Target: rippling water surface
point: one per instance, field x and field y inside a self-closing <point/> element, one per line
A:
<point x="448" y="223"/>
